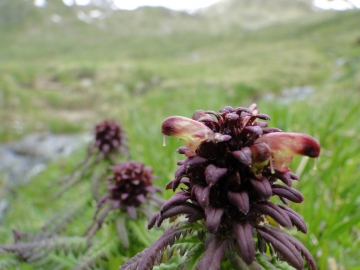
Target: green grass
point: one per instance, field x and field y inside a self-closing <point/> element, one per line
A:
<point x="48" y="81"/>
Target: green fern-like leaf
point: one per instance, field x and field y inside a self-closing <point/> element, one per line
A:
<point x="66" y="262"/>
<point x="139" y="231"/>
<point x="238" y="263"/>
<point x="59" y="221"/>
<point x="184" y="245"/>
<point x="99" y="251"/>
<point x="133" y="262"/>
<point x="163" y="246"/>
<point x="281" y="265"/>
<point x="265" y="261"/>
<point x="46" y="253"/>
<point x="193" y="257"/>
<point x="171" y="264"/>
<point x="7" y="262"/>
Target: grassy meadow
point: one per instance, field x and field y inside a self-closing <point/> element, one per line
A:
<point x="65" y="78"/>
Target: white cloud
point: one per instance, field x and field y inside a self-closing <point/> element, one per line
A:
<point x="337" y="4"/>
<point x="356" y="3"/>
<point x="68" y="2"/>
<point x="82" y="2"/>
<point x="40" y="3"/>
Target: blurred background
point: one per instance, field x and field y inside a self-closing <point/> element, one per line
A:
<point x="67" y="65"/>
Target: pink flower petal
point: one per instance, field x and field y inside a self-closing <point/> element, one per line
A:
<point x="284" y="145"/>
<point x="189" y="130"/>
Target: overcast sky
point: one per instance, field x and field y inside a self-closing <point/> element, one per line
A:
<point x="337" y="5"/>
<point x="192" y="5"/>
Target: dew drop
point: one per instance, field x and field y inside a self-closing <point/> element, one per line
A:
<point x="272" y="166"/>
<point x="164" y="140"/>
<point x="315" y="164"/>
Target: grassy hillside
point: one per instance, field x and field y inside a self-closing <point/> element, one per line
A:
<point x="140" y="69"/>
<point x="52" y="72"/>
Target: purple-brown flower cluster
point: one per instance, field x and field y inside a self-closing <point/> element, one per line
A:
<point x="110" y="137"/>
<point x="234" y="164"/>
<point x="109" y="141"/>
<point x="129" y="185"/>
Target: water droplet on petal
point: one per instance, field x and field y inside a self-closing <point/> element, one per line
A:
<point x="315" y="164"/>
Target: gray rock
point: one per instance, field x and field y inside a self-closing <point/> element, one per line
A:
<point x="289" y="95"/>
<point x="21" y="160"/>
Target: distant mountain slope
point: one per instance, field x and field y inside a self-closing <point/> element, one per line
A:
<point x="56" y="27"/>
<point x="253" y="14"/>
<point x="248" y="14"/>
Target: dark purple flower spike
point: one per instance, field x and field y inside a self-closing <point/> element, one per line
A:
<point x="109" y="145"/>
<point x="110" y="139"/>
<point x="233" y="165"/>
<point x="130" y="190"/>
